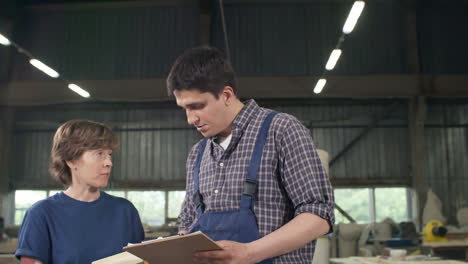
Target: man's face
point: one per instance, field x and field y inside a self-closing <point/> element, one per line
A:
<point x="208" y="114"/>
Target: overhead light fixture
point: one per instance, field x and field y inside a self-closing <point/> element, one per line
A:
<point x="334" y="56"/>
<point x="353" y="16"/>
<point x="319" y="86"/>
<point x="46" y="69"/>
<point x="4" y="41"/>
<point x="78" y="90"/>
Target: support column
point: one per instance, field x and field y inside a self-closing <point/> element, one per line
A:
<point x="416" y="118"/>
<point x="417" y="110"/>
<point x="6" y="113"/>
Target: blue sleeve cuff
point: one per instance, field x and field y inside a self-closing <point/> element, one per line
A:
<point x="26" y="252"/>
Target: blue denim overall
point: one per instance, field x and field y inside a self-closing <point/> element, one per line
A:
<point x="235" y="225"/>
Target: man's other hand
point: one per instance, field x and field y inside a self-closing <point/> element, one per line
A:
<point x="232" y="253"/>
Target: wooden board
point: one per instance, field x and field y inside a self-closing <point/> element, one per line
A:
<point x="121" y="258"/>
<point x="176" y="249"/>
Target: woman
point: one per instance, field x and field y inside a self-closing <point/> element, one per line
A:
<point x="83" y="223"/>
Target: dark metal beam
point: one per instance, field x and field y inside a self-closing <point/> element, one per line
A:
<point x="227" y="50"/>
<point x="411" y="35"/>
<point x="344" y="213"/>
<point x="206" y="14"/>
<point x="283" y="87"/>
<point x="363" y="134"/>
<point x="352" y="143"/>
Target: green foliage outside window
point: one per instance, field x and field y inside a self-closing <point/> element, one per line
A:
<point x="392" y="203"/>
<point x="176" y="198"/>
<point x="389" y="203"/>
<point x="150" y="206"/>
<point x="355" y="202"/>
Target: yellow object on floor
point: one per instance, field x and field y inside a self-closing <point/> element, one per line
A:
<point x="434" y="231"/>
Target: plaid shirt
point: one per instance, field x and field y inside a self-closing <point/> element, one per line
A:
<point x="291" y="178"/>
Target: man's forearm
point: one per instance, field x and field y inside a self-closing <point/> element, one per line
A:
<point x="294" y="235"/>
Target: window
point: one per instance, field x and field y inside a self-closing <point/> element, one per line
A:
<point x="150" y="206"/>
<point x="367" y="205"/>
<point x="121" y="194"/>
<point x="391" y="202"/>
<point x="25" y="199"/>
<point x="355" y="202"/>
<point x="53" y="192"/>
<point x="156" y="207"/>
<point x="176" y="198"/>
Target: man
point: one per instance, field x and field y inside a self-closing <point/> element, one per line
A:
<point x="255" y="182"/>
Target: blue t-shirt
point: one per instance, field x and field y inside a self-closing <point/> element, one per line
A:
<point x="63" y="230"/>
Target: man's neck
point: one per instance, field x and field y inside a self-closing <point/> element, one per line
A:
<point x="235" y="109"/>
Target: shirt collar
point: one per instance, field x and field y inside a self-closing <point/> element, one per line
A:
<point x="245" y="115"/>
<point x="242" y="120"/>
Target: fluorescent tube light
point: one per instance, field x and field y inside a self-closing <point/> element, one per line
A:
<point x="46" y="69"/>
<point x="319" y="86"/>
<point x="78" y="90"/>
<point x="4" y="41"/>
<point x="353" y="16"/>
<point x="334" y="56"/>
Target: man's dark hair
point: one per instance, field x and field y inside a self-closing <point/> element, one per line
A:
<point x="203" y="68"/>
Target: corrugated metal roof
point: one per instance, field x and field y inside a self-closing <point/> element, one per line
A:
<point x="106" y="43"/>
<point x="297" y="39"/>
<point x="442" y="45"/>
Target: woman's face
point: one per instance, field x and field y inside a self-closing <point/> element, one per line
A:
<point x="92" y="169"/>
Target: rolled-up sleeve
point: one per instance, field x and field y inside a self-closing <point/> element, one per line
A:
<point x="303" y="175"/>
<point x="34" y="237"/>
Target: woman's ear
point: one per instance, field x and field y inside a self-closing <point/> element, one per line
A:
<point x="70" y="164"/>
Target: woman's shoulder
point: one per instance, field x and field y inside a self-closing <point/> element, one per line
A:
<point x="43" y="206"/>
<point x="119" y="201"/>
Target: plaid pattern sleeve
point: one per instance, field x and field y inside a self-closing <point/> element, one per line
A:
<point x="303" y="176"/>
<point x="291" y="178"/>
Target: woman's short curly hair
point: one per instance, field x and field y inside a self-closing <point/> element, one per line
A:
<point x="72" y="139"/>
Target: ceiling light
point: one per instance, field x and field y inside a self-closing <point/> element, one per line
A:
<point x="353" y="16"/>
<point x="46" y="69"/>
<point x="4" y="40"/>
<point x="319" y="86"/>
<point x="78" y="90"/>
<point x="334" y="56"/>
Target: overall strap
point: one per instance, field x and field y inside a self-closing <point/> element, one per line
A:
<point x="197" y="198"/>
<point x="250" y="185"/>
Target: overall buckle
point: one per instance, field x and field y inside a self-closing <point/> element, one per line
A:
<point x="250" y="187"/>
